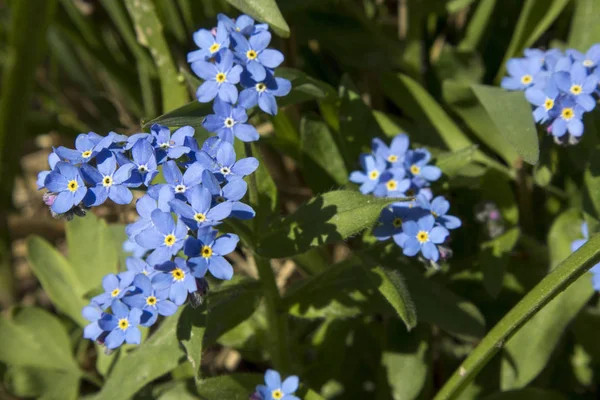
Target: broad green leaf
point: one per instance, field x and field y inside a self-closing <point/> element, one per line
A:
<point x="496" y="188"/>
<point x="392" y="287"/>
<point x="494" y="256"/>
<point x="391" y="125"/>
<point x="36" y="338"/>
<point x="477" y="25"/>
<point x="42" y="383"/>
<point x="286" y="137"/>
<point x="531" y="347"/>
<point x="149" y="31"/>
<point x="585" y="31"/>
<point x="190" y="332"/>
<point x="452" y="163"/>
<point x="57" y="277"/>
<point x="462" y="100"/>
<point x="526" y="394"/>
<point x="179" y="390"/>
<point x="232" y="386"/>
<point x="91" y="250"/>
<point x="304" y="88"/>
<point x="190" y="114"/>
<point x="565" y="229"/>
<point x="327" y="218"/>
<point x="323" y="165"/>
<point x="511" y="114"/>
<point x="152" y="359"/>
<point x="264" y="11"/>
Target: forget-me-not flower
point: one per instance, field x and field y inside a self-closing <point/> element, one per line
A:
<point x="423" y="236"/>
<point x="253" y="53"/>
<point x="220" y="78"/>
<point x="207" y="253"/>
<point x="229" y="121"/>
<point x="123" y="325"/>
<point x="65" y="180"/>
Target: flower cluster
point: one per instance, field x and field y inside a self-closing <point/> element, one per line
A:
<point x="274" y="389"/>
<point x="174" y="241"/>
<point x="419" y="226"/>
<point x="236" y="53"/>
<point x="595" y="270"/>
<point x="560" y="86"/>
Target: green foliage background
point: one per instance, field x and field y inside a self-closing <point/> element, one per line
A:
<point x="353" y="318"/>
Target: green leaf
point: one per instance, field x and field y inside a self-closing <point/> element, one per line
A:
<point x="392" y="287"/>
<point x="456" y="5"/>
<point x="36" y="338"/>
<point x="304" y="88"/>
<point x="57" y="278"/>
<point x="154" y="358"/>
<point x="477" y="25"/>
<point x="452" y="163"/>
<point x="232" y="386"/>
<point x="565" y="229"/>
<point x="526" y="394"/>
<point x="178" y="390"/>
<point x="264" y="11"/>
<point x="496" y="187"/>
<point x="91" y="250"/>
<point x="529" y="350"/>
<point x="42" y="383"/>
<point x="511" y="114"/>
<point x="327" y="218"/>
<point x="585" y="31"/>
<point x="494" y="257"/>
<point x="462" y="100"/>
<point x="149" y="31"/>
<point x="323" y="165"/>
<point x="189" y="114"/>
<point x="190" y="332"/>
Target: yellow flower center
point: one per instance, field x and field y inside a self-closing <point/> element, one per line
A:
<point x="374" y="174"/>
<point x="73" y="185"/>
<point x="107" y="181"/>
<point x="576" y="89"/>
<point x="261" y="87"/>
<point x="415" y="169"/>
<point x="164" y="145"/>
<point x="391" y="185"/>
<point x="397" y="222"/>
<point x="277" y="394"/>
<point x="170" y="240"/>
<point x="435" y="215"/>
<point x="214" y="48"/>
<point x="220" y="77"/>
<point x="229" y="122"/>
<point x="206" y="251"/>
<point x="422" y="236"/>
<point x="179" y="188"/>
<point x="178" y="274"/>
<point x="115" y="292"/>
<point x="251" y="54"/>
<point x="567" y="113"/>
<point x="392" y="158"/>
<point x="86" y="154"/>
<point x="588" y="63"/>
<point x="123" y="324"/>
<point x="151" y="300"/>
<point x="548" y="104"/>
<point x="199" y="217"/>
<point x="526" y="79"/>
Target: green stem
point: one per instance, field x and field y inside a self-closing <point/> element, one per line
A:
<point x="565" y="274"/>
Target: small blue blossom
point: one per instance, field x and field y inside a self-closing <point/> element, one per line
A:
<point x="85" y="150"/>
<point x="219" y="78"/>
<point x="263" y="92"/>
<point x="53" y="159"/>
<point x="151" y="301"/>
<point x="242" y="24"/>
<point x="254" y="55"/>
<point x="175" y="278"/>
<point x="578" y="84"/>
<point x="568" y="118"/>
<point x="591" y="59"/>
<point x="107" y="181"/>
<point x="165" y="238"/>
<point x="144" y="160"/>
<point x="225" y="166"/>
<point x="545" y="99"/>
<point x="209" y="44"/>
<point x="65" y="180"/>
<point x="395" y="153"/>
<point x="232" y="192"/>
<point x="391" y="220"/>
<point x="274" y="389"/>
<point x="423" y="236"/>
<point x="115" y="287"/>
<point x="139" y="266"/>
<point x="123" y="325"/>
<point x="207" y="253"/>
<point x="523" y="73"/>
<point x="200" y="213"/>
<point x="171" y="146"/>
<point x="229" y="121"/>
<point x="392" y="183"/>
<point x="181" y="183"/>
<point x="373" y="168"/>
<point x="439" y="208"/>
<point x="416" y="162"/>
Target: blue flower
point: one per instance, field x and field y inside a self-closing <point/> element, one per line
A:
<point x="544" y="98"/>
<point x="144" y="206"/>
<point x="595" y="270"/>
<point x="439" y="208"/>
<point x="200" y="214"/>
<point x="373" y="167"/>
<point x="139" y="266"/>
<point x="123" y="325"/>
<point x="107" y="181"/>
<point x="53" y="159"/>
<point x="219" y="78"/>
<point x="225" y="166"/>
<point x="423" y="236"/>
<point x="175" y="278"/>
<point x="66" y="181"/>
<point x="242" y="24"/>
<point x="115" y="287"/>
<point x="391" y="220"/>
<point x="145" y="163"/>
<point x="415" y="163"/>
<point x="85" y="150"/>
<point x="395" y="153"/>
<point x="590" y="59"/>
<point x="166" y="238"/>
<point x="171" y="146"/>
<point x="232" y="192"/>
<point x="274" y="389"/>
<point x="392" y="183"/>
<point x="523" y="73"/>
<point x="152" y="302"/>
<point x="263" y="92"/>
<point x="206" y="253"/>
<point x="253" y="53"/>
<point x="209" y="44"/>
<point x="181" y="183"/>
<point x="92" y="313"/>
<point x="578" y="84"/>
<point x="568" y="115"/>
<point x="131" y="246"/>
<point x="229" y="121"/>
